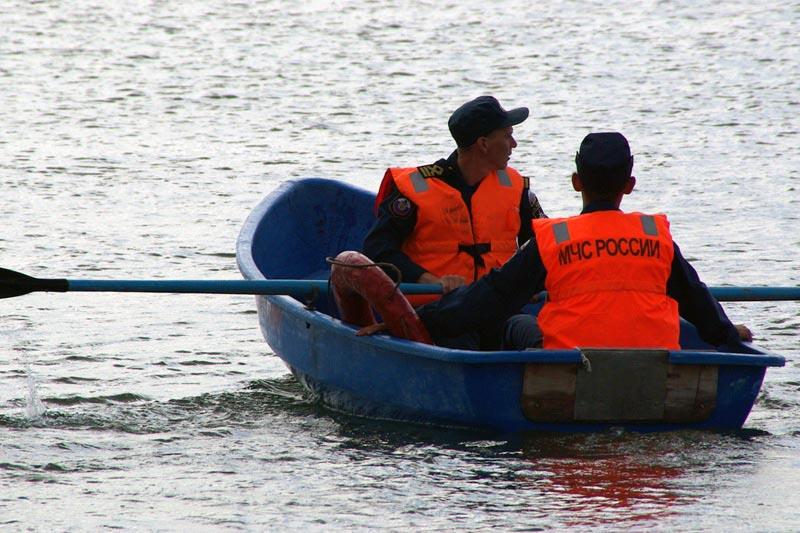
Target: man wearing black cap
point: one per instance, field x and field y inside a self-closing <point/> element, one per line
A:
<point x="454" y="220"/>
<point x="613" y="279"/>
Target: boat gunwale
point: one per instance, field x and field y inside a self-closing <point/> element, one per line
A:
<point x="440" y="353"/>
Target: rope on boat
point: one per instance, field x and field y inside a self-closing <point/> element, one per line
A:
<point x="384" y="266"/>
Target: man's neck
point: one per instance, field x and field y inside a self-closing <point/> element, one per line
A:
<point x="589" y="199"/>
<point x="472" y="170"/>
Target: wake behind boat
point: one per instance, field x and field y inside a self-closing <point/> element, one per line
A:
<point x="294" y="229"/>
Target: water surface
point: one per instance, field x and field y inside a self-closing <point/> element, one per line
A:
<point x="135" y="139"/>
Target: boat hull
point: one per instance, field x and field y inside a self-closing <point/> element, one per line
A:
<point x="389" y="378"/>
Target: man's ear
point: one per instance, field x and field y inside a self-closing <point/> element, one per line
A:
<point x="630" y="185"/>
<point x="481" y="144"/>
<point x="577" y="184"/>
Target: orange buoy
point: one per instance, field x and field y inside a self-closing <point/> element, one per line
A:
<point x="359" y="286"/>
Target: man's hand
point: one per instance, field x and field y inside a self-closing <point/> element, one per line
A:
<point x="744" y="332"/>
<point x="448" y="282"/>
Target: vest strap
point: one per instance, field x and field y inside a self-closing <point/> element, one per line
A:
<point x="476" y="251"/>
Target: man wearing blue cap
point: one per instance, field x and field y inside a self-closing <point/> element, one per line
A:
<point x="453" y="221"/>
<point x="613" y="279"/>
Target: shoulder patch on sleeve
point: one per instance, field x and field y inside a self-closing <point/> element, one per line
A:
<point x="431" y="171"/>
<point x="386" y="188"/>
<point x="400" y="207"/>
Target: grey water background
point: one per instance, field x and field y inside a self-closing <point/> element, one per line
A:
<point x="135" y="137"/>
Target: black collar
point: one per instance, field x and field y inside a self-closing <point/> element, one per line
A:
<point x="452" y="173"/>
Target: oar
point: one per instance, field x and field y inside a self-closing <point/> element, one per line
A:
<point x="16" y="284"/>
<point x="755" y="294"/>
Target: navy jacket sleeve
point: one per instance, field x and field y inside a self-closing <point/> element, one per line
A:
<point x="490" y="300"/>
<point x="384" y="240"/>
<point x="525" y="216"/>
<point x="529" y="208"/>
<point x="697" y="305"/>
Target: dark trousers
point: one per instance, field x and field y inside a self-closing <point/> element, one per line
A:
<point x="520" y="332"/>
<point x="517" y="333"/>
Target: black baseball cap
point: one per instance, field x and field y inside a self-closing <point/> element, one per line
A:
<point x="605" y="154"/>
<point x="480" y="117"/>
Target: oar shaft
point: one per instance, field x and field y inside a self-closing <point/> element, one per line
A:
<point x="305" y="286"/>
<point x="270" y="286"/>
<point x="16" y="284"/>
<point x="199" y="286"/>
<point x="753" y="294"/>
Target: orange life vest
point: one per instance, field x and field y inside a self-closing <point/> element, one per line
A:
<point x="606" y="281"/>
<point x="448" y="238"/>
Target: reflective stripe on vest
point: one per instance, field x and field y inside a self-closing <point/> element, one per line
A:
<point x="503" y="178"/>
<point x="419" y="183"/>
<point x="561" y="232"/>
<point x="649" y="225"/>
<point x="606" y="281"/>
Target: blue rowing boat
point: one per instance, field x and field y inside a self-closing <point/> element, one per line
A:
<point x="294" y="229"/>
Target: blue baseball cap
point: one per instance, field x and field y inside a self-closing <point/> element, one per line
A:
<point x="606" y="153"/>
<point x="481" y="116"/>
